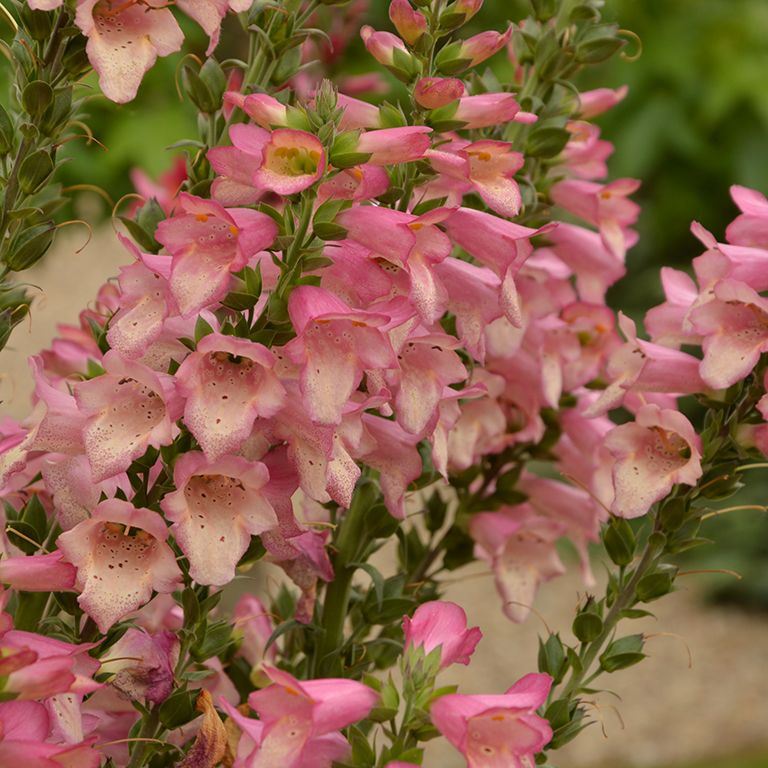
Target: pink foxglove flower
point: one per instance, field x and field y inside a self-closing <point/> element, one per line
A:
<point x="227" y="383"/>
<point x="497" y="731"/>
<point x="487" y="110"/>
<point x="520" y="547"/>
<point x="302" y="720"/>
<point x="443" y="625"/>
<point x="607" y="206"/>
<point x="427" y="365"/>
<point x="751" y="228"/>
<point x="498" y="244"/>
<point x="207" y="243"/>
<point x="655" y="452"/>
<point x="217" y="508"/>
<point x="594" y="103"/>
<point x="25" y="728"/>
<point x="734" y="328"/>
<point x="335" y="344"/>
<point x="142" y="665"/>
<point x="389" y="146"/>
<point x="37" y="573"/>
<point x="121" y="555"/>
<point x="128" y="408"/>
<point x="488" y="166"/>
<point x="124" y="41"/>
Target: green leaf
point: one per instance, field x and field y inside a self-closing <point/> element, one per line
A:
<point x="178" y="709"/>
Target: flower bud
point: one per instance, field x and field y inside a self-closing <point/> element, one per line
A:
<point x="410" y="25"/>
<point x="619" y="541"/>
<point x="622" y="653"/>
<point x="36" y="97"/>
<point x="35" y="169"/>
<point x="390" y="50"/>
<point x="481" y="47"/>
<point x="598" y="44"/>
<point x="435" y="92"/>
<point x="655" y="585"/>
<point x="29" y="246"/>
<point x="466" y="7"/>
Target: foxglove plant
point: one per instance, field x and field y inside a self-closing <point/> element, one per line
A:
<point x="352" y="325"/>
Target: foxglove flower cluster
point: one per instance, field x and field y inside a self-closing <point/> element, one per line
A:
<point x="342" y="316"/>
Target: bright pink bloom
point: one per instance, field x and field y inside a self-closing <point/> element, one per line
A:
<point x="335" y="344"/>
<point x="734" y="328"/>
<point x="124" y="41"/>
<point x="217" y="508"/>
<point x="37" y="573"/>
<point x="594" y="103"/>
<point x="585" y="153"/>
<point x="166" y="189"/>
<point x="642" y="366"/>
<point x="519" y="544"/>
<point x="657" y="451"/>
<point x="607" y="206"/>
<point x="390" y="146"/>
<point x="24" y="730"/>
<point x="34" y="666"/>
<point x="227" y="384"/>
<point x="129" y="408"/>
<point x="363" y="182"/>
<point x="488" y="109"/>
<point x="121" y="555"/>
<point x="263" y="109"/>
<point x="434" y="92"/>
<point x="443" y="625"/>
<point x="751" y="228"/>
<point x="358" y="114"/>
<point x="144" y="305"/>
<point x="298" y="718"/>
<point x="497" y="731"/>
<point x="488" y="166"/>
<point x="498" y="244"/>
<point x="404" y="245"/>
<point x="207" y="243"/>
<point x="143" y="665"/>
<point x="395" y="457"/>
<point x="482" y="46"/>
<point x="668" y="323"/>
<point x="409" y="23"/>
<point x="427" y="366"/>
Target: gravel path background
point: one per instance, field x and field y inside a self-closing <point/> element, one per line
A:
<point x="670" y="713"/>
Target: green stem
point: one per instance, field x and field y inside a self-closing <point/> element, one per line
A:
<point x="148" y="731"/>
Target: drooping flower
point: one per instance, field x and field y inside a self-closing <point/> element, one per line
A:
<point x="207" y="243"/>
<point x="734" y="330"/>
<point x="227" y="383"/>
<point x="128" y="408"/>
<point x="124" y="41"/>
<point x="335" y="344"/>
<point x="218" y="506"/>
<point x="487" y="166"/>
<point x="295" y="716"/>
<point x="121" y="555"/>
<point x="37" y="573"/>
<point x="443" y="625"/>
<point x="142" y="665"/>
<point x="655" y="452"/>
<point x="497" y="731"/>
<point x="519" y="544"/>
<point x="25" y="728"/>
